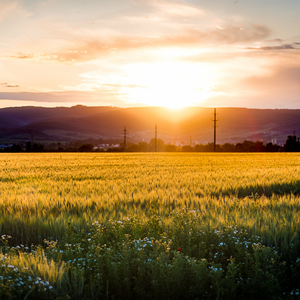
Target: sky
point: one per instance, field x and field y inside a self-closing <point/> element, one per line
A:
<point x="130" y="53"/>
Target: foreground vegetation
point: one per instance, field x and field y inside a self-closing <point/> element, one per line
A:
<point x="141" y="226"/>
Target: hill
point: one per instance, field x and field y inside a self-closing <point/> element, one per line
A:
<point x="82" y="122"/>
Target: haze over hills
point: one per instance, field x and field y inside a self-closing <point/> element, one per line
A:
<point x="185" y="125"/>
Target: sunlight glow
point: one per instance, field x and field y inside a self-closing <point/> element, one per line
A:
<point x="170" y="84"/>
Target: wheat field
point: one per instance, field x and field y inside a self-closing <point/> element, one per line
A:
<point x="46" y="198"/>
<point x="41" y="193"/>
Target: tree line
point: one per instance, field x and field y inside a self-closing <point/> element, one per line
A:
<point x="292" y="145"/>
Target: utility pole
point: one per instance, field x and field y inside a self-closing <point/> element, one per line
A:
<point x="155" y="138"/>
<point x="215" y="128"/>
<point x="125" y="130"/>
<point x="190" y="140"/>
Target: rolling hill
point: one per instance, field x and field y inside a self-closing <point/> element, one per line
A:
<point x="82" y="122"/>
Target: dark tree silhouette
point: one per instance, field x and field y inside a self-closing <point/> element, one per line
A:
<point x="272" y="147"/>
<point x="291" y="144"/>
<point x="187" y="148"/>
<point x="239" y="148"/>
<point x="86" y="148"/>
<point x="227" y="147"/>
<point x="170" y="148"/>
<point x="28" y="146"/>
<point x="15" y="148"/>
<point x="38" y="148"/>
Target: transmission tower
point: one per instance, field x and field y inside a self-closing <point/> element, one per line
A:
<point x="215" y="128"/>
<point x="125" y="130"/>
<point x="155" y="138"/>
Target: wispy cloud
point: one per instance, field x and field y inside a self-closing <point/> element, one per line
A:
<point x="87" y="49"/>
<point x="178" y="8"/>
<point x="106" y="87"/>
<point x="293" y="46"/>
<point x="9" y="85"/>
<point x="99" y="98"/>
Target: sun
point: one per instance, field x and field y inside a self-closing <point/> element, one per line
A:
<point x="173" y="85"/>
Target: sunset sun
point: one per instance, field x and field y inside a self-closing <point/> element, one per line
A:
<point x="170" y="84"/>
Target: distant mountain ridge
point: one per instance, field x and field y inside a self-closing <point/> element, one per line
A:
<point x="185" y="125"/>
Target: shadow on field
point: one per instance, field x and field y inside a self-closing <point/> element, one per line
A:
<point x="267" y="190"/>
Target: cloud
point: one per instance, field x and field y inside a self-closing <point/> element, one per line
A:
<point x="119" y="86"/>
<point x="213" y="57"/>
<point x="9" y="85"/>
<point x="90" y="49"/>
<point x="68" y="96"/>
<point x="107" y="96"/>
<point x="24" y="56"/>
<point x="280" y="47"/>
<point x="113" y="89"/>
<point x="275" y="40"/>
<point x="177" y="8"/>
<point x="38" y="97"/>
<point x="276" y="86"/>
<point x="282" y="79"/>
<point x="230" y="34"/>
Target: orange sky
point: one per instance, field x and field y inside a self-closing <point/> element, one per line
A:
<point x="219" y="53"/>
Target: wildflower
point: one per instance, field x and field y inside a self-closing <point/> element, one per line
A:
<point x="179" y="249"/>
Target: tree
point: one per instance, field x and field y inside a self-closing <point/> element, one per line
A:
<point x="133" y="148"/>
<point x="143" y="146"/>
<point x="86" y="148"/>
<point x="199" y="148"/>
<point x="227" y="147"/>
<point x="187" y="148"/>
<point x="291" y="144"/>
<point x="28" y="146"/>
<point x="170" y="148"/>
<point x="15" y="148"/>
<point x="259" y="146"/>
<point x="160" y="145"/>
<point x="38" y="148"/>
<point x="239" y="147"/>
<point x="248" y="146"/>
<point x="210" y="147"/>
<point x="272" y="147"/>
